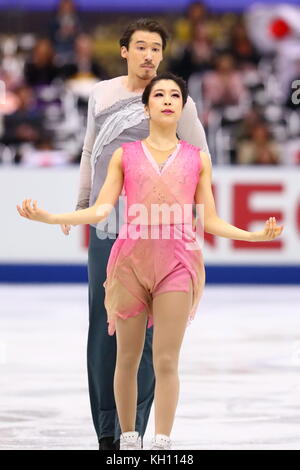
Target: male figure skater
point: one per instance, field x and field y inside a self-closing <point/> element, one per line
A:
<point x="116" y="115"/>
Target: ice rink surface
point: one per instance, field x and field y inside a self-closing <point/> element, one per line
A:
<point x="239" y="370"/>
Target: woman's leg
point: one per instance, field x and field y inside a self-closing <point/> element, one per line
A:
<point x="170" y="316"/>
<point x="130" y="334"/>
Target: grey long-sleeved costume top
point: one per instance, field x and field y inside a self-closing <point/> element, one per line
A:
<point x="116" y="115"/>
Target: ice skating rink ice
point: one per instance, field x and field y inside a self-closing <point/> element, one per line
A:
<point x="239" y="370"/>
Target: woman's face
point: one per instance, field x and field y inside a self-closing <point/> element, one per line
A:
<point x="165" y="96"/>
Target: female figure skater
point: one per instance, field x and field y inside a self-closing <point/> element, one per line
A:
<point x="153" y="274"/>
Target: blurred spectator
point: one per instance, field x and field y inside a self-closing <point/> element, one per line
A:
<point x="244" y="130"/>
<point x="64" y="30"/>
<point x="196" y="12"/>
<point x="223" y="86"/>
<point x="83" y="64"/>
<point x="224" y="92"/>
<point x="197" y="56"/>
<point x="40" y="68"/>
<point x="26" y="123"/>
<point x="243" y="51"/>
<point x="259" y="149"/>
<point x="11" y="63"/>
<point x="44" y="153"/>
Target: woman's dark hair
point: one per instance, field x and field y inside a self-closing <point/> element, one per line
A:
<point x="165" y="76"/>
<point x="144" y="24"/>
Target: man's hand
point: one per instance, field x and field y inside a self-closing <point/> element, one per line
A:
<point x="65" y="228"/>
<point x="111" y="326"/>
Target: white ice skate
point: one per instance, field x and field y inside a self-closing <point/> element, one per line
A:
<point x="130" y="441"/>
<point x="161" y="442"/>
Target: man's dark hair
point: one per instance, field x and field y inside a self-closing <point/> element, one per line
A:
<point x="165" y="76"/>
<point x="144" y="24"/>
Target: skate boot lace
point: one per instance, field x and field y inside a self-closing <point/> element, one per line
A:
<point x="130" y="440"/>
<point x="161" y="442"/>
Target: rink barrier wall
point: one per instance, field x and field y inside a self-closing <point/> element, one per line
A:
<point x="245" y="196"/>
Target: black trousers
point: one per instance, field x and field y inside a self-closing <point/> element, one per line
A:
<point x="102" y="349"/>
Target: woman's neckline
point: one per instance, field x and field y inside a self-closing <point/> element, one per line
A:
<point x="166" y="162"/>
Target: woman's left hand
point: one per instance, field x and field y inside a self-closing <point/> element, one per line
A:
<point x="34" y="212"/>
<point x="270" y="232"/>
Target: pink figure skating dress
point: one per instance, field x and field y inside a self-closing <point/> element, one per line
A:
<point x="152" y="255"/>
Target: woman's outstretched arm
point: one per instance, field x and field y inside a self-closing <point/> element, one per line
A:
<point x="107" y="198"/>
<point x="213" y="224"/>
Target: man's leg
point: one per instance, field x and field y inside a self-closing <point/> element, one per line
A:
<point x="101" y="348"/>
<point x="102" y="351"/>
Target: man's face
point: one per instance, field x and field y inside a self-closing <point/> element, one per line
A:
<point x="144" y="54"/>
